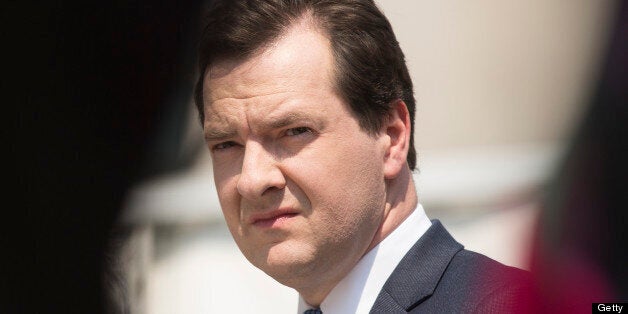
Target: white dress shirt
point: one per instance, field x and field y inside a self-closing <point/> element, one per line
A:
<point x="356" y="292"/>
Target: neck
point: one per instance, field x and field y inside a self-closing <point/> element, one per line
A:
<point x="401" y="200"/>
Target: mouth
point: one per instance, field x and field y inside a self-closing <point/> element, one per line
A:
<point x="272" y="219"/>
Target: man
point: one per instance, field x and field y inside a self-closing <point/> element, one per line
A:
<point x="307" y="108"/>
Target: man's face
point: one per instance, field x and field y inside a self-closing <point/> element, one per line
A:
<point x="301" y="185"/>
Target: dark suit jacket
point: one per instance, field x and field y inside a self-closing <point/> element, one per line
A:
<point x="438" y="275"/>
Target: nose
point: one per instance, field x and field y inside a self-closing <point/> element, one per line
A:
<point x="260" y="172"/>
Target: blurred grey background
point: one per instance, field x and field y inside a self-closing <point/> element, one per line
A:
<point x="499" y="86"/>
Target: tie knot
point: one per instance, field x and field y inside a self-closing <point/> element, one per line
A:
<point x="313" y="311"/>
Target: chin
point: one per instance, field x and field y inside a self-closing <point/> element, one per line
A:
<point x="286" y="262"/>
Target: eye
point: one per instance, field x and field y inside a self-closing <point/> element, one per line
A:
<point x="224" y="145"/>
<point x="297" y="131"/>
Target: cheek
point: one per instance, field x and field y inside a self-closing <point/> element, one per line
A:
<point x="230" y="206"/>
<point x="225" y="178"/>
<point x="357" y="167"/>
<point x="226" y="187"/>
<point x="344" y="178"/>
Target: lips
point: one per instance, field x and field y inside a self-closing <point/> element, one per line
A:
<point x="272" y="218"/>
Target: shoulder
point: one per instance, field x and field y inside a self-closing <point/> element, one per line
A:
<point x="485" y="285"/>
<point x="439" y="275"/>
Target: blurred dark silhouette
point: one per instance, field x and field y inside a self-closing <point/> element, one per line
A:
<point x="101" y="92"/>
<point x="580" y="254"/>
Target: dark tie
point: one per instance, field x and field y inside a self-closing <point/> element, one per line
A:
<point x="313" y="311"/>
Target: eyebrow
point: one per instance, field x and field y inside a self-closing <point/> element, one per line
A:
<point x="289" y="119"/>
<point x="217" y="135"/>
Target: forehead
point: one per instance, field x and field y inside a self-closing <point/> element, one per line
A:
<point x="298" y="62"/>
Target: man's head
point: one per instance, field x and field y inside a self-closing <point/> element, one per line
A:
<point x="369" y="66"/>
<point x="307" y="182"/>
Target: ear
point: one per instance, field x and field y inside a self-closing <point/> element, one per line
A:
<point x="397" y="129"/>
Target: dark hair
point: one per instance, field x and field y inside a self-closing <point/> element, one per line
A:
<point x="371" y="72"/>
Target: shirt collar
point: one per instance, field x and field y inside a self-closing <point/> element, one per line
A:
<point x="357" y="291"/>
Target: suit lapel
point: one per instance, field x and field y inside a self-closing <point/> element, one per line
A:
<point x="419" y="272"/>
